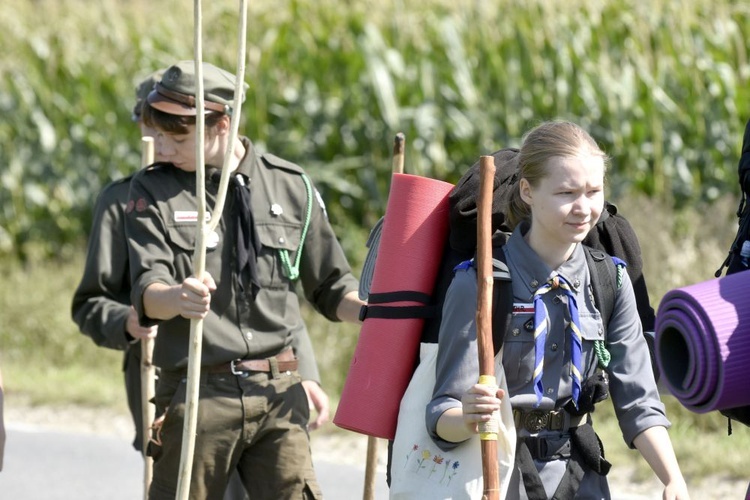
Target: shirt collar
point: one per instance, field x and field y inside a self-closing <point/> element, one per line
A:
<point x="534" y="271"/>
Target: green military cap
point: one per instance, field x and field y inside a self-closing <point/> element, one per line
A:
<point x="175" y="93"/>
<point x="142" y="90"/>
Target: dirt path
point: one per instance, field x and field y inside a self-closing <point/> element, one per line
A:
<point x="335" y="445"/>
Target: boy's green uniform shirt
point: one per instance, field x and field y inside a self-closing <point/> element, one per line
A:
<point x="162" y="235"/>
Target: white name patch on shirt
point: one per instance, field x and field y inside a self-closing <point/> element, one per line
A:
<point x="523" y="308"/>
<point x="189" y="216"/>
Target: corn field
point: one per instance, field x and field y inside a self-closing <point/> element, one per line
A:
<point x="663" y="86"/>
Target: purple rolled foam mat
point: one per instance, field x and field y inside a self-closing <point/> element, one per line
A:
<point x="703" y="343"/>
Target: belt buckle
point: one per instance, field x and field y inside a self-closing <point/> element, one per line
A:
<point x="234" y="370"/>
<point x="536" y="420"/>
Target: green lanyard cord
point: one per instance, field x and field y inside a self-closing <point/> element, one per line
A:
<point x="602" y="354"/>
<point x="292" y="271"/>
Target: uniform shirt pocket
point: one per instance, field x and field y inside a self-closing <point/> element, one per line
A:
<point x="182" y="235"/>
<point x="518" y="351"/>
<point x="276" y="239"/>
<point x="591" y="331"/>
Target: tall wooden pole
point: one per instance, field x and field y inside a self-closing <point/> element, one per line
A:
<point x="199" y="257"/>
<point x="190" y="423"/>
<point x="397" y="165"/>
<point x="488" y="431"/>
<point x="148" y="372"/>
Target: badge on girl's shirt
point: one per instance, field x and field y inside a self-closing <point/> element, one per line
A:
<point x="523" y="308"/>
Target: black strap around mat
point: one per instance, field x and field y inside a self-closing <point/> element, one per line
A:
<point x="425" y="311"/>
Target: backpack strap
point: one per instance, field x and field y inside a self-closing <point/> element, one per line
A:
<point x="502" y="298"/>
<point x="502" y="295"/>
<point x="606" y="280"/>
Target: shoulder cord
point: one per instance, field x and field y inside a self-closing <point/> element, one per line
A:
<point x="602" y="354"/>
<point x="292" y="271"/>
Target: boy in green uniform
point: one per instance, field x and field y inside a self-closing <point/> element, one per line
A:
<point x="101" y="303"/>
<point x="273" y="232"/>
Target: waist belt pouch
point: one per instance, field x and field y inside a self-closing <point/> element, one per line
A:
<point x="588" y="444"/>
<point x="595" y="389"/>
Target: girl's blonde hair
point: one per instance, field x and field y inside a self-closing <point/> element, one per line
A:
<point x="548" y="140"/>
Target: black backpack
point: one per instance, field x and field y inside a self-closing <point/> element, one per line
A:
<point x="733" y="262"/>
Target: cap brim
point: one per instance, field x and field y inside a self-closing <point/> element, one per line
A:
<point x="170" y="106"/>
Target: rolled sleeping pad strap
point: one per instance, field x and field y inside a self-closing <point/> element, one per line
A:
<point x="703" y="343"/>
<point x="414" y="230"/>
<point x="397" y="312"/>
<point x="368" y="267"/>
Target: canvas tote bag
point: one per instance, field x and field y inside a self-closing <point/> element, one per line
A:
<point x="419" y="469"/>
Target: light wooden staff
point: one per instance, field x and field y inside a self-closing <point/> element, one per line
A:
<point x="199" y="257"/>
<point x="148" y="372"/>
<point x="397" y="165"/>
<point x="488" y="431"/>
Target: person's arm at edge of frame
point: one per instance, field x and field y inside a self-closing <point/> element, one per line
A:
<point x="656" y="448"/>
<point x="2" y="424"/>
<point x="99" y="306"/>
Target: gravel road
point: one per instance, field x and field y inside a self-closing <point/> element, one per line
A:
<point x="339" y="459"/>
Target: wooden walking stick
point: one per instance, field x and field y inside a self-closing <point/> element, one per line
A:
<point x="488" y="431"/>
<point x="397" y="166"/>
<point x="199" y="257"/>
<point x="148" y="372"/>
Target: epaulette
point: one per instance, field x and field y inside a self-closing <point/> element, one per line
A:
<point x="121" y="180"/>
<point x="274" y="161"/>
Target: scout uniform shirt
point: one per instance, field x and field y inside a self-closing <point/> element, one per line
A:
<point x="161" y="226"/>
<point x="101" y="302"/>
<point x="632" y="387"/>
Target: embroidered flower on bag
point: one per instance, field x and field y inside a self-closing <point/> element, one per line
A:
<point x="408" y="456"/>
<point x="425" y="456"/>
<point x="455" y="471"/>
<point x="437" y="460"/>
<point x="445" y="470"/>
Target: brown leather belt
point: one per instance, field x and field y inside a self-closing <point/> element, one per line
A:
<point x="285" y="361"/>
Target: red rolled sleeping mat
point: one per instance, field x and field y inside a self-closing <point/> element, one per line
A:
<point x="414" y="232"/>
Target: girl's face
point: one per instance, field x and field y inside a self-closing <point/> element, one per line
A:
<point x="567" y="202"/>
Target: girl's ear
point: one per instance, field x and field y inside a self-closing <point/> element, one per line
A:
<point x="525" y="190"/>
